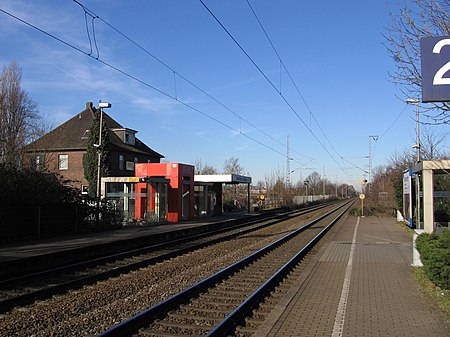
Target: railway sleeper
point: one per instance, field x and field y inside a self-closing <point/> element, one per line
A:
<point x="243" y="331"/>
<point x="193" y="306"/>
<point x="256" y="269"/>
<point x="186" y="318"/>
<point x="237" y="291"/>
<point x="252" y="275"/>
<point x="265" y="266"/>
<point x="181" y="328"/>
<point x="228" y="293"/>
<point x="211" y="304"/>
<point x="203" y="312"/>
<point x="283" y="286"/>
<point x="225" y="296"/>
<point x="237" y="288"/>
<point x="224" y="300"/>
<point x="267" y="305"/>
<point x="249" y="280"/>
<point x="238" y="284"/>
<point x="277" y="294"/>
<point x="260" y="314"/>
<point x="145" y="333"/>
<point x="296" y="272"/>
<point x="214" y="305"/>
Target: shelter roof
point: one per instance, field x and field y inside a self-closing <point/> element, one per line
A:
<point x="223" y="178"/>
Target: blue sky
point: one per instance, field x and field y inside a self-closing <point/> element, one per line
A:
<point x="333" y="50"/>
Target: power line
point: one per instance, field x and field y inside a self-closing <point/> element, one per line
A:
<point x="268" y="80"/>
<point x="283" y="65"/>
<point x="393" y="122"/>
<point x="176" y="73"/>
<point x="98" y="59"/>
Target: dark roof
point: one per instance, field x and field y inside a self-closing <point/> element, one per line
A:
<point x="72" y="135"/>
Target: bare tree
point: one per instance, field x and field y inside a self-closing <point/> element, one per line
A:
<point x="232" y="166"/>
<point x="233" y="194"/>
<point x="19" y="119"/>
<point x="275" y="189"/>
<point x="432" y="145"/>
<point x="416" y="19"/>
<point x="201" y="168"/>
<point x="314" y="181"/>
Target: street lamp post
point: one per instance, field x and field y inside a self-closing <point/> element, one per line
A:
<point x="306" y="182"/>
<point x="101" y="105"/>
<point x="417" y="145"/>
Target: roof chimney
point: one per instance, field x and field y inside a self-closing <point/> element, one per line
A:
<point x="89" y="105"/>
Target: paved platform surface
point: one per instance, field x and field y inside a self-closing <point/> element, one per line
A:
<point x="28" y="249"/>
<point x="360" y="284"/>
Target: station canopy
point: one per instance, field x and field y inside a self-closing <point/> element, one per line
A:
<point x="222" y="178"/>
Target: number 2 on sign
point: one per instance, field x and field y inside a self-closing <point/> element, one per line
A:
<point x="439" y="76"/>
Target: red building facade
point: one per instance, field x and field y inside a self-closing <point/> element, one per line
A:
<point x="180" y="191"/>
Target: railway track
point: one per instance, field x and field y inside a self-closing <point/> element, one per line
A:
<point x="25" y="289"/>
<point x="219" y="303"/>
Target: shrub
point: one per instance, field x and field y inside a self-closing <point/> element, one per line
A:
<point x="435" y="255"/>
<point x="38" y="204"/>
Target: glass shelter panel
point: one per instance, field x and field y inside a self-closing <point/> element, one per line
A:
<point x="204" y="200"/>
<point x="121" y="196"/>
<point x="157" y="205"/>
<point x="441" y="201"/>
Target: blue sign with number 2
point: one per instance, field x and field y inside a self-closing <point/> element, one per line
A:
<point x="435" y="54"/>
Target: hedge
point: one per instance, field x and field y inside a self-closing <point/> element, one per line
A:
<point x="434" y="252"/>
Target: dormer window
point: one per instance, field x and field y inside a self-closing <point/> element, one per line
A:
<point x="129" y="138"/>
<point x="126" y="135"/>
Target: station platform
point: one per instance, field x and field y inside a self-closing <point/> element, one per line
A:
<point x="359" y="284"/>
<point x="23" y="256"/>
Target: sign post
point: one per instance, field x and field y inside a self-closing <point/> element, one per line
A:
<point x="362" y="196"/>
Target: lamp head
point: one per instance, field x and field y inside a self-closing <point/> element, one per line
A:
<point x="104" y="105"/>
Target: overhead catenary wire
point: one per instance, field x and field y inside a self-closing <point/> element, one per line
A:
<point x="269" y="81"/>
<point x="283" y="66"/>
<point x="93" y="16"/>
<point x="98" y="59"/>
<point x="177" y="74"/>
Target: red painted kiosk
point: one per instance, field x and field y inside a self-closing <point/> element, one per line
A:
<point x="180" y="191"/>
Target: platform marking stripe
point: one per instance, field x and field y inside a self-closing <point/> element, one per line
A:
<point x="339" y="321"/>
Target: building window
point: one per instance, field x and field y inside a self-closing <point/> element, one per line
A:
<point x="63" y="161"/>
<point x="129" y="138"/>
<point x="39" y="163"/>
<point x="121" y="162"/>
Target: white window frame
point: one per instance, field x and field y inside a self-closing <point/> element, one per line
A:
<point x="63" y="161"/>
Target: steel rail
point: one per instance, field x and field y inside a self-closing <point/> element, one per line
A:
<point x="15" y="279"/>
<point x="79" y="282"/>
<point x="158" y="311"/>
<point x="238" y="315"/>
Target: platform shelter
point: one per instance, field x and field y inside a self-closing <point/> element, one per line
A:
<point x="137" y="199"/>
<point x="168" y="192"/>
<point x="426" y="194"/>
<point x="159" y="192"/>
<point x="209" y="187"/>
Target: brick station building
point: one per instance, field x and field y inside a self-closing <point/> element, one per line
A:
<point x="62" y="149"/>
